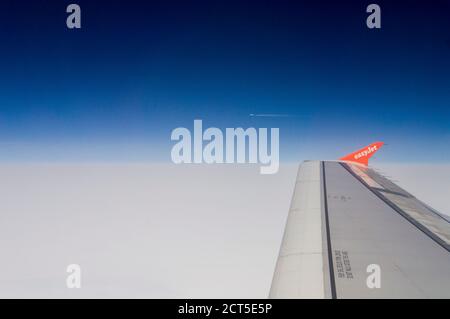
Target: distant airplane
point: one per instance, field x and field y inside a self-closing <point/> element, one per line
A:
<point x="352" y="233"/>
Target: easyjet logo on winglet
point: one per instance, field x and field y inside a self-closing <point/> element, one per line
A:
<point x="366" y="152"/>
<point x="362" y="156"/>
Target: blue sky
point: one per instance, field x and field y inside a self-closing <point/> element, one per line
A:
<point x="115" y="89"/>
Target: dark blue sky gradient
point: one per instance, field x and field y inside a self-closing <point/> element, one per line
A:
<point x="115" y="89"/>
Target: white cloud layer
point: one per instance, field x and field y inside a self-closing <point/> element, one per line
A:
<point x="156" y="230"/>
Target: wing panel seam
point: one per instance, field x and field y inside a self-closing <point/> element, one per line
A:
<point x="327" y="227"/>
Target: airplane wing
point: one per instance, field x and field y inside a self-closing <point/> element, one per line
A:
<point x="352" y="233"/>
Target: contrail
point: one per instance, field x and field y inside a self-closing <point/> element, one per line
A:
<point x="271" y="115"/>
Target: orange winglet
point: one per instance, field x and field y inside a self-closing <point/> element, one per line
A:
<point x="362" y="156"/>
